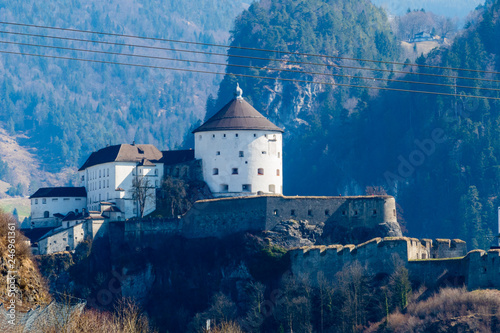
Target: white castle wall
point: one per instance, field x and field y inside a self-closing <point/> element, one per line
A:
<point x="102" y="180"/>
<point x="256" y="155"/>
<point x="51" y="205"/>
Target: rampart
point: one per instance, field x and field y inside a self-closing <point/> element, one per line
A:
<point x="360" y="216"/>
<point x="378" y="256"/>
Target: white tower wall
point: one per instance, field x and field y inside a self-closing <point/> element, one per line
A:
<point x="256" y="156"/>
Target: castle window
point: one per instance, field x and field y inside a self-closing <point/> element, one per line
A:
<point x="99" y="184"/>
<point x="264" y="152"/>
<point x="272" y="188"/>
<point x="236" y="135"/>
<point x="46" y="214"/>
<point x="276" y="212"/>
<point x="242" y="154"/>
<point x="224" y="135"/>
<point x="107" y="183"/>
<point x="83" y="178"/>
<point x="108" y="172"/>
<point x="224" y="188"/>
<point x="424" y="256"/>
<point x="394" y="212"/>
<point x="355" y="212"/>
<point x="199" y="137"/>
<point x="292" y="212"/>
<point x="254" y="135"/>
<point x="156" y="172"/>
<point x="156" y="183"/>
<point x="374" y="212"/>
<point x="260" y="171"/>
<point x="54" y="199"/>
<point x="217" y="153"/>
<point x="78" y="199"/>
<point x="246" y="188"/>
<point x="234" y="171"/>
<point x="215" y="171"/>
<point x="65" y="199"/>
<point x="277" y="172"/>
<point x="309" y="212"/>
<point x="279" y="154"/>
<point x="36" y="201"/>
<point x="64" y="238"/>
<point x="99" y="173"/>
<point x="213" y="135"/>
<point x="327" y="212"/>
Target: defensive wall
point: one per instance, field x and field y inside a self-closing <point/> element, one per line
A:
<point x="433" y="263"/>
<point x="222" y="217"/>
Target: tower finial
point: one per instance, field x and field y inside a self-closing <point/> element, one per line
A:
<point x="238" y="92"/>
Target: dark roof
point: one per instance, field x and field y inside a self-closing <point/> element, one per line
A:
<point x="48" y="192"/>
<point x="72" y="216"/>
<point x="123" y="153"/>
<point x="171" y="157"/>
<point x="36" y="233"/>
<point x="238" y="114"/>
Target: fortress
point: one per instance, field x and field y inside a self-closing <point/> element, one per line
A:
<point x="238" y="154"/>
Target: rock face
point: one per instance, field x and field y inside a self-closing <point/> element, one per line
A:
<point x="292" y="233"/>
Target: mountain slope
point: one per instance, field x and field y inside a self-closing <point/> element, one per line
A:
<point x="66" y="108"/>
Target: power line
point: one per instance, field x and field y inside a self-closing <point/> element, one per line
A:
<point x="245" y="66"/>
<point x="252" y="76"/>
<point x="247" y="48"/>
<point x="257" y="58"/>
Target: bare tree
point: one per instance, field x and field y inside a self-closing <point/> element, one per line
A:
<point x="142" y="192"/>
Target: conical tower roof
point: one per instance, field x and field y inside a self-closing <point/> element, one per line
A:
<point x="238" y="114"/>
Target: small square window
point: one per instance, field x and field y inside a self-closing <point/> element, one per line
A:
<point x="292" y="212"/>
<point x="327" y="212"/>
<point x="224" y="188"/>
<point x="264" y="152"/>
<point x="236" y="135"/>
<point x="234" y="171"/>
<point x="254" y="135"/>
<point x="246" y="188"/>
<point x="260" y="171"/>
<point x="242" y="154"/>
<point x="215" y="171"/>
<point x="217" y="153"/>
<point x="309" y="212"/>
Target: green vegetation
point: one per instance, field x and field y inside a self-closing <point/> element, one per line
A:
<point x="436" y="154"/>
<point x="69" y="109"/>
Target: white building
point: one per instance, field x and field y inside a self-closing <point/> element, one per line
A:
<point x="110" y="173"/>
<point x="50" y="204"/>
<point x="241" y="151"/>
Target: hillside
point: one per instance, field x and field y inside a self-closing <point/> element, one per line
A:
<point x="458" y="8"/>
<point x="343" y="140"/>
<point x="30" y="289"/>
<point x="59" y="111"/>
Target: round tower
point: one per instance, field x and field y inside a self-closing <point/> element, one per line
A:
<point x="241" y="151"/>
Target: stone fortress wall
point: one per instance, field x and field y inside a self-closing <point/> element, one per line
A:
<point x="222" y="217"/>
<point x="432" y="263"/>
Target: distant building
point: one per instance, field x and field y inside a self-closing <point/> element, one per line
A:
<point x="108" y="175"/>
<point x="50" y="204"/>
<point x="241" y="151"/>
<point x="421" y="37"/>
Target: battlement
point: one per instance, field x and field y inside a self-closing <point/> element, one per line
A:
<point x="378" y="256"/>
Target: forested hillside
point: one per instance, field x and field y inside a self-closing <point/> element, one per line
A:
<point x="456" y="8"/>
<point x="437" y="154"/>
<point x="66" y="108"/>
